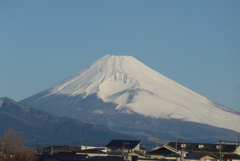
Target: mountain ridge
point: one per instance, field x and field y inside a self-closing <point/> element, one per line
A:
<point x="42" y="127"/>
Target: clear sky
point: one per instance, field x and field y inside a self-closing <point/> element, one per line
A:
<point x="195" y="43"/>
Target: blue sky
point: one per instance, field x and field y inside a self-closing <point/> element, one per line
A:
<point x="195" y="43"/>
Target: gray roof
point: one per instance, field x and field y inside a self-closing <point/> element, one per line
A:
<point x="128" y="144"/>
<point x="163" y="151"/>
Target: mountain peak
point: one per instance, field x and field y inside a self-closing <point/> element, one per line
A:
<point x="4" y="100"/>
<point x="11" y="105"/>
<point x="106" y="69"/>
<point x="116" y="56"/>
<point x="116" y="59"/>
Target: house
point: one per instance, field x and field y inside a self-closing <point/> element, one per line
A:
<point x="207" y="147"/>
<point x="127" y="149"/>
<point x="201" y="156"/>
<point x="164" y="152"/>
<point x="231" y="157"/>
<point x="58" y="155"/>
<point x="92" y="152"/>
<point x="208" y="152"/>
<point x="195" y="152"/>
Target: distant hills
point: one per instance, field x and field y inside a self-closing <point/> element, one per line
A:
<point x="41" y="127"/>
<point x="125" y="95"/>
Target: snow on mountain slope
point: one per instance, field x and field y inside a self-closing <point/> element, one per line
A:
<point x="134" y="87"/>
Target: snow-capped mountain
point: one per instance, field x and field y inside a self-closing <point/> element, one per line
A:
<point x="133" y="88"/>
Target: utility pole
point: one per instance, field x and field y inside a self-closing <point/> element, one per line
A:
<point x="237" y="142"/>
<point x="182" y="156"/>
<point x="176" y="142"/>
<point x="41" y="144"/>
<point x="86" y="144"/>
<point x="220" y="150"/>
<point x="157" y="141"/>
<point x="123" y="150"/>
<point x="52" y="150"/>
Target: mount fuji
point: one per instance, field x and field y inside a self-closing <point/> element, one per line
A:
<point x="123" y="94"/>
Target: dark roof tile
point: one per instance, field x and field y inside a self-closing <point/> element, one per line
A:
<point x="128" y="144"/>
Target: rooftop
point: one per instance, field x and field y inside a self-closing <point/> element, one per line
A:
<point x="128" y="144"/>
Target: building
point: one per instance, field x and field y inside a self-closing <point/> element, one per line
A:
<point x="224" y="148"/>
<point x="165" y="152"/>
<point x="127" y="149"/>
<point x="93" y="151"/>
<point x="195" y="152"/>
